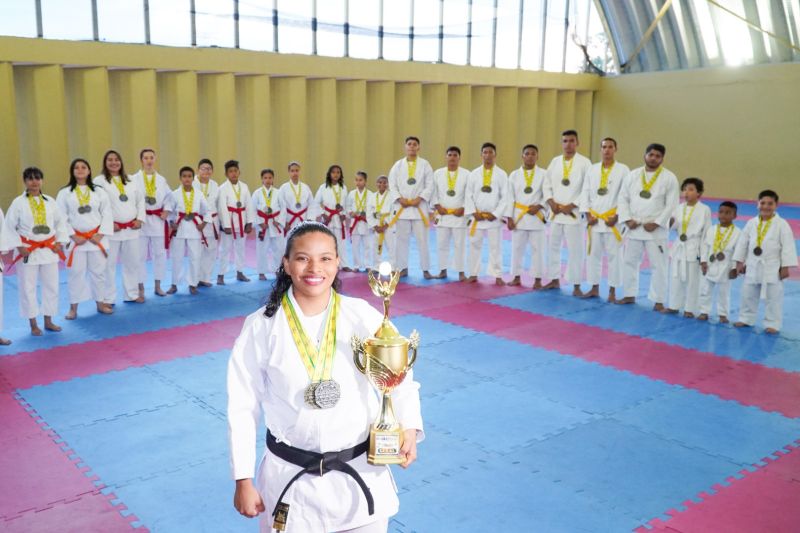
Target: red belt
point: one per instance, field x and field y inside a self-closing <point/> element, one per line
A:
<point x="86" y="235"/>
<point x="267" y="217"/>
<point x="356" y="220"/>
<point x="295" y="216"/>
<point x="126" y="225"/>
<point x="338" y="213"/>
<point x="238" y="211"/>
<point x="182" y="217"/>
<point x="158" y="212"/>
<point x="36" y="245"/>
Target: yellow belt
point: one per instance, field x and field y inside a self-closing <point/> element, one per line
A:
<point x="604" y="217"/>
<point x="382" y="236"/>
<point x="450" y="211"/>
<point x="524" y="209"/>
<point x="474" y="225"/>
<point x="399" y="211"/>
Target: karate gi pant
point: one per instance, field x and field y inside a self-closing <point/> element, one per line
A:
<point x="520" y="239"/>
<point x="444" y="236"/>
<point x="92" y="265"/>
<point x="657" y="254"/>
<point x="404" y="229"/>
<point x="604" y="242"/>
<point x="706" y="297"/>
<point x="381" y="525"/>
<point x="773" y="311"/>
<point x="387" y="248"/>
<point x="684" y="285"/>
<point x="208" y="255"/>
<point x="573" y="233"/>
<point x="158" y="254"/>
<point x="128" y="254"/>
<point x="178" y="249"/>
<point x="494" y="266"/>
<point x="269" y="253"/>
<point x="360" y="245"/>
<point x="227" y="242"/>
<point x="28" y="277"/>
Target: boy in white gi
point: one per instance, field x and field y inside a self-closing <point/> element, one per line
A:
<point x="296" y="199"/>
<point x="411" y="185"/>
<point x="188" y="214"/>
<point x="88" y="215"/>
<point x="692" y="220"/>
<point x="210" y="190"/>
<point x="486" y="204"/>
<point x="269" y="218"/>
<point x="330" y="201"/>
<point x="562" y="192"/>
<point x="449" y="189"/>
<point x="359" y="225"/>
<point x="235" y="207"/>
<point x="155" y="230"/>
<point x="3" y="340"/>
<point x="527" y="216"/>
<point x="647" y="200"/>
<point x="37" y="231"/>
<point x="379" y="213"/>
<point x="765" y="251"/>
<point x="599" y="201"/>
<point x="716" y="263"/>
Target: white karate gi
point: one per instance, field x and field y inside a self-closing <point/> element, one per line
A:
<point x="602" y="238"/>
<point x="450" y="228"/>
<point x="326" y="200"/>
<point x="41" y="266"/>
<point x="717" y="271"/>
<point x="308" y="210"/>
<point x="411" y="218"/>
<point x="529" y="228"/>
<point x="360" y="234"/>
<point x="226" y="201"/>
<point x="2" y="266"/>
<point x="269" y="241"/>
<point x="565" y="226"/>
<point x="761" y="279"/>
<point x="154" y="230"/>
<point x="684" y="256"/>
<point x="494" y="202"/>
<point x="188" y="236"/>
<point x="208" y="254"/>
<point x="379" y="212"/>
<point x="266" y="382"/>
<point x="87" y="258"/>
<point x="665" y="195"/>
<point x="123" y="244"/>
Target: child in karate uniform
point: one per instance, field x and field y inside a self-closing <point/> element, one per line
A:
<point x="297" y="199"/>
<point x="269" y="218"/>
<point x="716" y="263"/>
<point x="359" y="225"/>
<point x="379" y="214"/>
<point x="330" y="199"/>
<point x="188" y="213"/>
<point x="210" y="190"/>
<point x="235" y="209"/>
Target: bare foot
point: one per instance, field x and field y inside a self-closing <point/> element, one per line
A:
<point x="665" y="310"/>
<point x="158" y="291"/>
<point x="404" y="273"/>
<point x="771" y="331"/>
<point x="612" y="295"/>
<point x="4" y="342"/>
<point x="104" y="309"/>
<point x="741" y="325"/>
<point x="220" y="280"/>
<point x="50" y="326"/>
<point x="687" y="314"/>
<point x="593" y="293"/>
<point x="723" y="320"/>
<point x="659" y="307"/>
<point x="627" y="300"/>
<point x="204" y="284"/>
<point x="516" y="282"/>
<point x="241" y="277"/>
<point x="537" y="284"/>
<point x="35" y="331"/>
<point x="577" y="292"/>
<point x="461" y="276"/>
<point x="347" y="269"/>
<point x="554" y="284"/>
<point x="499" y="281"/>
<point x="262" y="277"/>
<point x="427" y="275"/>
<point x="71" y="315"/>
<point x="442" y="274"/>
<point x="471" y="279"/>
<point x="172" y="289"/>
<point x="704" y="317"/>
<point x="139" y="300"/>
<point x="192" y="290"/>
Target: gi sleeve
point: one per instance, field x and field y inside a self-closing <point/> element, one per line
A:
<point x="9" y="238"/>
<point x="624" y="203"/>
<point x="427" y="176"/>
<point x="788" y="250"/>
<point x="63" y="230"/>
<point x="673" y="196"/>
<point x="740" y="255"/>
<point x="138" y="197"/>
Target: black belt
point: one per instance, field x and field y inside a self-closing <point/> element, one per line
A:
<point x="319" y="464"/>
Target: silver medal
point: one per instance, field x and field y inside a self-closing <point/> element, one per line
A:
<point x="326" y="394"/>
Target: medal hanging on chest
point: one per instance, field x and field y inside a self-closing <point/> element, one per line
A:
<point x="83" y="196"/>
<point x="487" y="179"/>
<point x="529" y="180"/>
<point x="298" y="194"/>
<point x="323" y="392"/>
<point x="412" y="170"/>
<point x="39" y="212"/>
<point x="602" y="190"/>
<point x="150" y="189"/>
<point x="566" y="171"/>
<point x="761" y="232"/>
<point x="647" y="185"/>
<point x="123" y="197"/>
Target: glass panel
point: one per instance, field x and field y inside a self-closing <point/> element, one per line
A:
<point x="330" y="27"/>
<point x="707" y="31"/>
<point x="734" y="35"/>
<point x="507" y="34"/>
<point x="121" y="20"/>
<point x="554" y="35"/>
<point x="364" y="16"/>
<point x="598" y="46"/>
<point x="456" y="16"/>
<point x="256" y="31"/>
<point x="576" y="35"/>
<point x="170" y="23"/>
<point x="426" y="30"/>
<point x="530" y="58"/>
<point x="214" y="23"/>
<point x="67" y="19"/>
<point x="766" y="22"/>
<point x="294" y="26"/>
<point x="482" y="27"/>
<point x="396" y="23"/>
<point x="18" y="18"/>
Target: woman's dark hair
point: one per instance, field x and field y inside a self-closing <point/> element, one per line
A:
<point x="73" y="181"/>
<point x="32" y="173"/>
<point x="282" y="280"/>
<point x="329" y="178"/>
<point x="107" y="173"/>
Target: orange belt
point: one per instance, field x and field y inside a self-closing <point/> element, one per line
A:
<point x="36" y="245"/>
<point x="86" y="235"/>
<point x="267" y="217"/>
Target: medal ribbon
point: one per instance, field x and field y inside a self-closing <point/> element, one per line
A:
<point x="604" y="217"/>
<point x="451" y="181"/>
<point x="604" y="174"/>
<point x="487" y="176"/>
<point x="361" y="204"/>
<point x="379" y="205"/>
<point x="204" y="188"/>
<point x="567" y="169"/>
<point x="38" y="210"/>
<point x="297" y="193"/>
<point x="412" y="168"/>
<point x="83" y="198"/>
<point x="337" y="194"/>
<point x="267" y="197"/>
<point x="685" y="220"/>
<point x="647" y="185"/>
<point x="149" y="185"/>
<point x="529" y="177"/>
<point x="188" y="201"/>
<point x="317" y="360"/>
<point x="760" y="234"/>
<point x="237" y="192"/>
<point x="120" y="186"/>
<point x="721" y="240"/>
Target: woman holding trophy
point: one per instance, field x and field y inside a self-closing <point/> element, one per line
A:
<point x="293" y="366"/>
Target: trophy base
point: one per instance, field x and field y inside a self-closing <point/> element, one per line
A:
<point x="384" y="446"/>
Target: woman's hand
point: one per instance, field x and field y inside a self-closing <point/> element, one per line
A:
<point x="409" y="448"/>
<point x="247" y="500"/>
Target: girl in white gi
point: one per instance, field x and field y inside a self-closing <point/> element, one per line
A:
<point x="88" y="214"/>
<point x="486" y="203"/>
<point x="297" y="199"/>
<point x="330" y="199"/>
<point x="692" y="220"/>
<point x="128" y="212"/>
<point x="379" y="213"/>
<point x="716" y="263"/>
<point x="270" y="219"/>
<point x="235" y="207"/>
<point x="188" y="214"/>
<point x="599" y="200"/>
<point x="3" y="340"/>
<point x="562" y="192"/>
<point x="37" y="230"/>
<point x="411" y="185"/>
<point x="527" y="216"/>
<point x="360" y="242"/>
<point x="210" y="190"/>
<point x="449" y="190"/>
<point x="267" y="380"/>
<point x="647" y="200"/>
<point x="155" y="230"/>
<point x="765" y="251"/>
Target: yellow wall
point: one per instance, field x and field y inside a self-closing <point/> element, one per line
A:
<point x="736" y="128"/>
<point x="65" y="99"/>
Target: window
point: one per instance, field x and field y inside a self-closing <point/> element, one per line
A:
<point x="67" y="19"/>
<point x="456" y="18"/>
<point x="121" y="20"/>
<point x="426" y="30"/>
<point x="18" y="19"/>
<point x="364" y="18"/>
<point x="396" y="25"/>
<point x="214" y="23"/>
<point x="506" y="55"/>
<point x="554" y="35"/>
<point x="330" y="27"/>
<point x="482" y="28"/>
<point x="531" y="48"/>
<point x="170" y="23"/>
<point x="294" y="26"/>
<point x="256" y="31"/>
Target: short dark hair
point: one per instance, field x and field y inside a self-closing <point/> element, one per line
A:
<point x="205" y="161"/>
<point x="728" y="203"/>
<point x="382" y="177"/>
<point x="361" y="173"/>
<point x="231" y="164"/>
<point x="144" y="151"/>
<point x="489" y="145"/>
<point x="697" y="182"/>
<point x="267" y="170"/>
<point x="566" y="133"/>
<point x="657" y="147"/>
<point x="185" y="169"/>
<point x="612" y="139"/>
<point x="31" y="173"/>
<point x="412" y="138"/>
<point x="768" y="193"/>
<point x="455" y="149"/>
<point x="293" y="163"/>
<point x="530" y="146"/>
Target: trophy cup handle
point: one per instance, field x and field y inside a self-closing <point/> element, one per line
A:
<point x="413" y="344"/>
<point x="358" y="350"/>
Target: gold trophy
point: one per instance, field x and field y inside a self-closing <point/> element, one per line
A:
<point x="385" y="362"/>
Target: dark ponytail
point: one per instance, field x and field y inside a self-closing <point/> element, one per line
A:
<point x="282" y="280"/>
